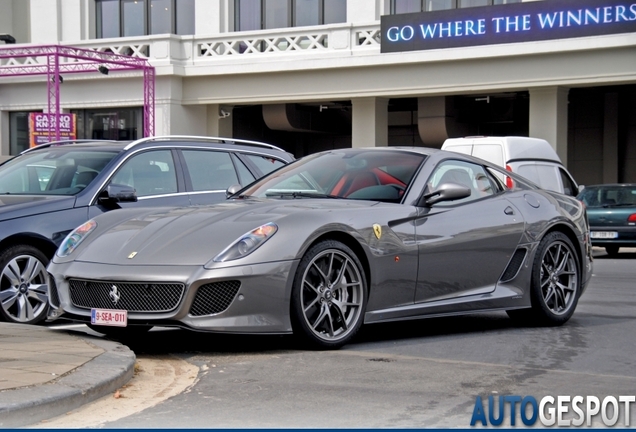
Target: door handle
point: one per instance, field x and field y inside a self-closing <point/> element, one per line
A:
<point x="509" y="211"/>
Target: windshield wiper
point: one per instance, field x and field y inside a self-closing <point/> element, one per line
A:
<point x="299" y="194"/>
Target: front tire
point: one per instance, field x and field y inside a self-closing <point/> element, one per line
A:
<point x="329" y="296"/>
<point x="555" y="285"/>
<point x="23" y="285"/>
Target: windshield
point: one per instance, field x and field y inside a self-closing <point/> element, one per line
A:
<point x="376" y="175"/>
<point x="52" y="172"/>
<point x="609" y="196"/>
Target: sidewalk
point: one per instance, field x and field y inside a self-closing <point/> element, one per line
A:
<point x="45" y="373"/>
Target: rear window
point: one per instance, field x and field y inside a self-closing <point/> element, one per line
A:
<point x="609" y="196"/>
<point x="544" y="176"/>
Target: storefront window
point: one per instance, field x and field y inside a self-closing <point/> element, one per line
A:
<point x="116" y="18"/>
<point x="18" y="132"/>
<point x="269" y="14"/>
<point x="110" y="123"/>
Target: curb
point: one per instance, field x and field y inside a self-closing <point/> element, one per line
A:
<point x="94" y="379"/>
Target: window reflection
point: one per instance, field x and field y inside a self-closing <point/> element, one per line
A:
<point x="185" y="17"/>
<point x="307" y="12"/>
<point x="270" y="14"/>
<point x="160" y="16"/>
<point x="277" y="14"/>
<point x="107" y="12"/>
<point x="133" y="18"/>
<point x="408" y="6"/>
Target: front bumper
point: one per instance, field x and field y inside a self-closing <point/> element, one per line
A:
<point x="261" y="304"/>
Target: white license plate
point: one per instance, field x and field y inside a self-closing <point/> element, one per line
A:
<point x="109" y="317"/>
<point x="604" y="234"/>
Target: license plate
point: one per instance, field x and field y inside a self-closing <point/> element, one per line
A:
<point x="604" y="234"/>
<point x="109" y="317"/>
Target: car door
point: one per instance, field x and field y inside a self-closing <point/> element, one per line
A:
<point x="465" y="245"/>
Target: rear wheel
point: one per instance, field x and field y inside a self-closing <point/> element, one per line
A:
<point x="329" y="296"/>
<point x="23" y="284"/>
<point x="555" y="285"/>
<point x="611" y="250"/>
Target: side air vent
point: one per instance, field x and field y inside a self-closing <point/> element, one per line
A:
<point x="54" y="298"/>
<point x="514" y="265"/>
<point x="214" y="298"/>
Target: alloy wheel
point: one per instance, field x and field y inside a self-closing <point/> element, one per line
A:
<point x="23" y="289"/>
<point x="559" y="278"/>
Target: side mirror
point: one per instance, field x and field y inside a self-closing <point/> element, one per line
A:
<point x="446" y="192"/>
<point x="232" y="190"/>
<point x="115" y="193"/>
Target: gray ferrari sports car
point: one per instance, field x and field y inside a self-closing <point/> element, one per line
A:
<point x="328" y="243"/>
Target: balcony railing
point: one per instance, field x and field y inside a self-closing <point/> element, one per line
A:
<point x="288" y="41"/>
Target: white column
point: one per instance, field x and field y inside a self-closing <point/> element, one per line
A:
<point x="369" y="125"/>
<point x="4" y="136"/>
<point x="210" y="16"/>
<point x="45" y="21"/>
<point x="72" y="20"/>
<point x="549" y="118"/>
<point x="365" y="11"/>
<point x="219" y="121"/>
<point x="610" y="139"/>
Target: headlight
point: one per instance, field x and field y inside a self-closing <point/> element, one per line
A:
<point x="76" y="236"/>
<point x="247" y="243"/>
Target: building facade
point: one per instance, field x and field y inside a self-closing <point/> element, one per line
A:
<point x="310" y="75"/>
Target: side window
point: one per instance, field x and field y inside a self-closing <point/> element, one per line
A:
<point x="265" y="164"/>
<point x="210" y="170"/>
<point x="150" y="173"/>
<point x="569" y="187"/>
<point x="474" y="177"/>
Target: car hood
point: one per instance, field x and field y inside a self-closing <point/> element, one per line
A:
<point x="195" y="235"/>
<point x="15" y="206"/>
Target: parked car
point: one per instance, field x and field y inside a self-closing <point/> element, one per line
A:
<point x="611" y="209"/>
<point x="328" y="242"/>
<point x="47" y="191"/>
<point x="533" y="158"/>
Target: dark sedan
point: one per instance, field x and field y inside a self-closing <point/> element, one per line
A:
<point x="611" y="209"/>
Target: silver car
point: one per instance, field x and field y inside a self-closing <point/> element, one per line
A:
<point x="330" y="242"/>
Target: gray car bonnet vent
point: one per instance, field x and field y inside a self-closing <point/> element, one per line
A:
<point x="514" y="265"/>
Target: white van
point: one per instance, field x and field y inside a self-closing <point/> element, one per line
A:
<point x="533" y="158"/>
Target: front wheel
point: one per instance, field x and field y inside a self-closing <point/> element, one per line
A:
<point x="329" y="296"/>
<point x="23" y="284"/>
<point x="555" y="285"/>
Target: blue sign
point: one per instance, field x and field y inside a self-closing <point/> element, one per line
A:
<point x="511" y="23"/>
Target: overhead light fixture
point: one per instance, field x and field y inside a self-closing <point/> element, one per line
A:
<point x="7" y="38"/>
<point x="103" y="70"/>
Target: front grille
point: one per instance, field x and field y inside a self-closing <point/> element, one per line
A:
<point x="54" y="298"/>
<point x="214" y="298"/>
<point x="513" y="265"/>
<point x="130" y="296"/>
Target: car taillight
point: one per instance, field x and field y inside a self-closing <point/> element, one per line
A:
<point x="509" y="183"/>
<point x="632" y="218"/>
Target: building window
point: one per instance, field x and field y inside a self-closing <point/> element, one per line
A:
<point x="18" y="132"/>
<point x="271" y="14"/>
<point x="408" y="6"/>
<point x="109" y="123"/>
<point x="117" y="18"/>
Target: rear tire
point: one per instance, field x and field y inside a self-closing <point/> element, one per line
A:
<point x="329" y="296"/>
<point x="23" y="285"/>
<point x="555" y="284"/>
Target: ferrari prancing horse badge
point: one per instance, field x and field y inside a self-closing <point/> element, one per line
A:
<point x="377" y="230"/>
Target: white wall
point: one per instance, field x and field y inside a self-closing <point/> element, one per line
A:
<point x="45" y="21"/>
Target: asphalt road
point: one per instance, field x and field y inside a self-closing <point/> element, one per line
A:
<point x="414" y="374"/>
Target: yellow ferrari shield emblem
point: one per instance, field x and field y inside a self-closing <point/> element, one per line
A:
<point x="132" y="255"/>
<point x="377" y="230"/>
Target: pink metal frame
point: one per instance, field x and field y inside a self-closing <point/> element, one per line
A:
<point x="58" y="59"/>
